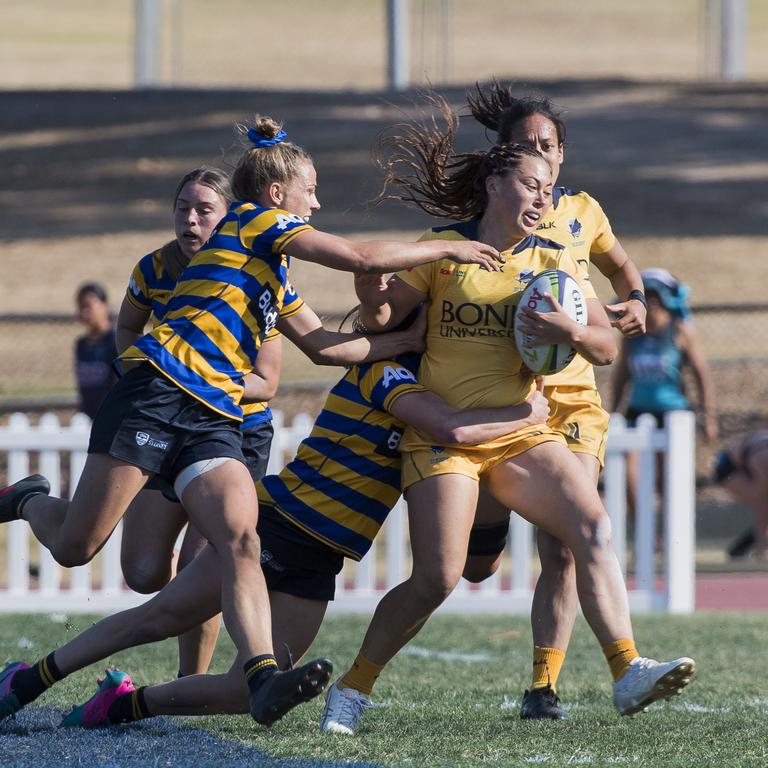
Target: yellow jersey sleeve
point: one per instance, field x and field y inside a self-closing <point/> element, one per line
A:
<point x="603" y="238"/>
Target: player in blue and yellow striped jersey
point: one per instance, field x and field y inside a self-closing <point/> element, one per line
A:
<point x="328" y="503"/>
<point x="176" y="411"/>
<point x="499" y="196"/>
<point x="577" y="221"/>
<point x="201" y="200"/>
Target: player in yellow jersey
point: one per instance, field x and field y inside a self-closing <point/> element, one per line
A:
<point x="349" y="467"/>
<point x="501" y="195"/>
<point x="576" y="220"/>
<point x="176" y="412"/>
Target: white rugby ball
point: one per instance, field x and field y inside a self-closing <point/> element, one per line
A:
<point x="550" y="358"/>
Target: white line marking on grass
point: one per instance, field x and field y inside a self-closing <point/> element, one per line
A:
<point x="427" y="653"/>
<point x="508" y="702"/>
<point x="701" y="709"/>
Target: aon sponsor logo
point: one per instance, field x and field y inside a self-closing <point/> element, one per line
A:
<point x="283" y="221"/>
<point x="392" y="374"/>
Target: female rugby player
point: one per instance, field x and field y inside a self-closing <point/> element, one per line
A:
<point x="155" y="518"/>
<point x="575" y="219"/>
<point x="501" y="196"/>
<point x="176" y="412"/>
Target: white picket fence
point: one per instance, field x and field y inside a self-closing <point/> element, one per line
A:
<point x="98" y="587"/>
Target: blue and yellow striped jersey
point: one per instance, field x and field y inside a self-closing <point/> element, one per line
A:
<point x="224" y="304"/>
<point x="149" y="288"/>
<point x="259" y="413"/>
<point x="151" y="285"/>
<point x="345" y="478"/>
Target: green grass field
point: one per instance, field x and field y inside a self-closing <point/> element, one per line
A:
<point x="452" y="697"/>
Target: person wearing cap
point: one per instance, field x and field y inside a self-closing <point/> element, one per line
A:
<point x="651" y="366"/>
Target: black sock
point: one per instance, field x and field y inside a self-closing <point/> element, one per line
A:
<point x="28" y="684"/>
<point x="129" y="707"/>
<point x="24" y="499"/>
<point x="258" y="669"/>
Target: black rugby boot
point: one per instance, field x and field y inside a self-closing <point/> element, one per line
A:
<point x="542" y="704"/>
<point x="282" y="691"/>
<point x="12" y="497"/>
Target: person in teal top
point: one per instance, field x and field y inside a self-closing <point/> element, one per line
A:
<point x="652" y="365"/>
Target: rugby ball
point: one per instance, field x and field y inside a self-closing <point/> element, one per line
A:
<point x="550" y="358"/>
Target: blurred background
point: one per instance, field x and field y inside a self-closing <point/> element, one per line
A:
<point x="106" y="105"/>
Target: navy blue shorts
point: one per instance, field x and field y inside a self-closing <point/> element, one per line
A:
<point x="293" y="561"/>
<point x="147" y="421"/>
<point x="256" y="444"/>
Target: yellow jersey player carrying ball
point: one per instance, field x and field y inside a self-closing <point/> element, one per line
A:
<point x="577" y="221"/>
<point x="498" y="196"/>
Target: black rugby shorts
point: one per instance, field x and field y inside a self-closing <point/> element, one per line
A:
<point x="293" y="561"/>
<point x="147" y="421"/>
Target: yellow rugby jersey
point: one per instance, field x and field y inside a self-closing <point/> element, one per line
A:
<point x="577" y="220"/>
<point x="471" y="359"/>
<point x="224" y="304"/>
<point x="345" y="478"/>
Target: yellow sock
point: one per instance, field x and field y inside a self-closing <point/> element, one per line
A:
<point x="619" y="653"/>
<point x="547" y="663"/>
<point x="362" y="676"/>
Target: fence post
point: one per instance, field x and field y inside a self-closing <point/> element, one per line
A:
<point x="522" y="546"/>
<point x="645" y="506"/>
<point x="616" y="489"/>
<point x="18" y="530"/>
<point x="679" y="511"/>
<point x="50" y="467"/>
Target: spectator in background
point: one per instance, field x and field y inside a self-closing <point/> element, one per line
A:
<point x="652" y="365"/>
<point x="94" y="350"/>
<point x="742" y="469"/>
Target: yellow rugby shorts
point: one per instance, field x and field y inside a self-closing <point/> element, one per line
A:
<point x="577" y="414"/>
<point x="421" y="460"/>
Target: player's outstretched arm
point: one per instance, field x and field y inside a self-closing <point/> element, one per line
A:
<point x="326" y="347"/>
<point x="379" y="256"/>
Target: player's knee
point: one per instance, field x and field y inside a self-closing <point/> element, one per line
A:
<point x="596" y="534"/>
<point x="486" y="543"/>
<point x="479" y="567"/>
<point x="240" y="544"/>
<point x="555" y="557"/>
<point x="432" y="586"/>
<point x="72" y="554"/>
<point x="145" y="578"/>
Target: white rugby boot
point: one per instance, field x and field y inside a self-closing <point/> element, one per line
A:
<point x="344" y="708"/>
<point x="647" y="681"/>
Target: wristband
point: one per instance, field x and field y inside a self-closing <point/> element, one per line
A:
<point x="638" y="296"/>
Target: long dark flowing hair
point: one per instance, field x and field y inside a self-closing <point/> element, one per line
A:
<point x="497" y="108"/>
<point x="421" y="167"/>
